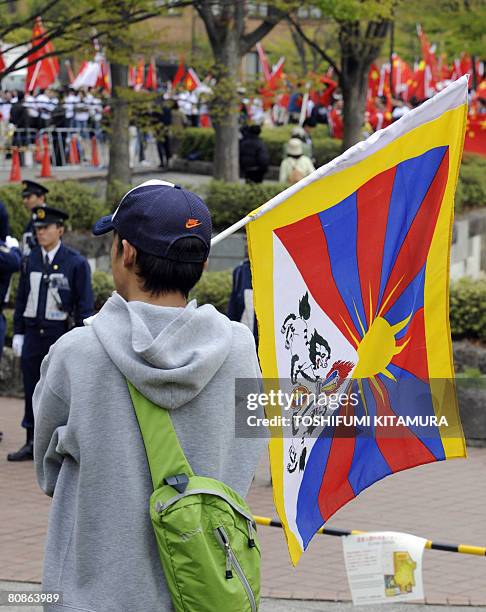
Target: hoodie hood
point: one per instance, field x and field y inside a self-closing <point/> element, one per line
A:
<point x="168" y="354"/>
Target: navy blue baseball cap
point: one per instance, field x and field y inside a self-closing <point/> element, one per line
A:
<point x="155" y="215"/>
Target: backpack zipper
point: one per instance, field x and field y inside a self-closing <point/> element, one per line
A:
<point x="232" y="562"/>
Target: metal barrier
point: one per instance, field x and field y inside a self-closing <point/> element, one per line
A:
<point x="65" y="154"/>
<point x="465" y="549"/>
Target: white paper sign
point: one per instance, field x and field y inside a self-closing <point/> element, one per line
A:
<point x="384" y="567"/>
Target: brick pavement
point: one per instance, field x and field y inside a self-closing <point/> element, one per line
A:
<point x="442" y="501"/>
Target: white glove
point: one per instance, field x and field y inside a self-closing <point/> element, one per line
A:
<point x="11" y="242"/>
<point x="17" y="344"/>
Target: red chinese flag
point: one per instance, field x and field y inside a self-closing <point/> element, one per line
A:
<point x="373" y="81"/>
<point x="179" y="75"/>
<point x="428" y="55"/>
<point x="191" y="81"/>
<point x="151" y="78"/>
<point x="325" y="96"/>
<point x="475" y="141"/>
<point x="44" y="71"/>
<point x="139" y="74"/>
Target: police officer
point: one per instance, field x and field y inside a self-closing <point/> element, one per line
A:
<point x="9" y="263"/>
<point x="33" y="194"/>
<point x="54" y="294"/>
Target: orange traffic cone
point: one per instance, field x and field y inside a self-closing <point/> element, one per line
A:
<point x="15" y="170"/>
<point x="73" y="151"/>
<point x="95" y="160"/>
<point x="46" y="159"/>
<point x="38" y="152"/>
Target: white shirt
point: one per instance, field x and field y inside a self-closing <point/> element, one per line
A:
<point x="43" y="104"/>
<point x="81" y="110"/>
<point x="52" y="253"/>
<point x="31" y="105"/>
<point x="96" y="109"/>
<point x="70" y="102"/>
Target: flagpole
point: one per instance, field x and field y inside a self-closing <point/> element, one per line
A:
<point x="34" y="76"/>
<point x="231" y="230"/>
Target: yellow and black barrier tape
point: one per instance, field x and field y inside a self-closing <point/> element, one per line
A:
<point x="465" y="549"/>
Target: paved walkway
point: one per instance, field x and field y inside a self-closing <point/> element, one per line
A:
<point x="442" y="501"/>
<point x="272" y="605"/>
<point x="89" y="174"/>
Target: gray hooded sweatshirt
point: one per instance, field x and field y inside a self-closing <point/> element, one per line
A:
<point x="89" y="454"/>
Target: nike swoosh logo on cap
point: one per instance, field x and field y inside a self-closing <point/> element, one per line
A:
<point x="190" y="223"/>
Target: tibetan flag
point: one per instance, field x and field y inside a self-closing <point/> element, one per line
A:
<point x="350" y="272"/>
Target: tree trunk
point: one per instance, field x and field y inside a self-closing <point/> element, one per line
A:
<point x="119" y="165"/>
<point x="226" y="154"/>
<point x="224" y="111"/>
<point x="354" y="82"/>
<point x="301" y="50"/>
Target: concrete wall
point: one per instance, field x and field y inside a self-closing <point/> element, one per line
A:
<point x="468" y="257"/>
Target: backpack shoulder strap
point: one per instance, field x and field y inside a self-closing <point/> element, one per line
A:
<point x="167" y="461"/>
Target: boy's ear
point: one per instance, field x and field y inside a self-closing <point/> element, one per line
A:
<point x="129" y="254"/>
<point x="205" y="266"/>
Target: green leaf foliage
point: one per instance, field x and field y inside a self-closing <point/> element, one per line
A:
<point x="213" y="288"/>
<point x="103" y="287"/>
<point x="79" y="201"/>
<point x="199" y="143"/>
<point x="468" y="309"/>
<point x="471" y="189"/>
<point x="229" y="202"/>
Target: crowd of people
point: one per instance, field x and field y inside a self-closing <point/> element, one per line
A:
<point x="163" y="117"/>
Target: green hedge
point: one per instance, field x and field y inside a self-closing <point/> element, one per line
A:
<point x="213" y="288"/>
<point x="200" y="141"/>
<point x="471" y="189"/>
<point x="229" y="202"/>
<point x="79" y="201"/>
<point x="468" y="309"/>
<point x="103" y="287"/>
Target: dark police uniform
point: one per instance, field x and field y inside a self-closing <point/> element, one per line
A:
<point x="10" y="259"/>
<point x="240" y="305"/>
<point x="29" y="240"/>
<point x="52" y="297"/>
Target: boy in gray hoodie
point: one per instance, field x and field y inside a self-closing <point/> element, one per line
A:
<point x="89" y="454"/>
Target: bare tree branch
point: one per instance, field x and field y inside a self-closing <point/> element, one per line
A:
<point x="204" y="10"/>
<point x="22" y="23"/>
<point x="314" y="45"/>
<point x="248" y="41"/>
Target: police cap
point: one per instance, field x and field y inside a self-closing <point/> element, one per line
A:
<point x="29" y="187"/>
<point x="45" y="215"/>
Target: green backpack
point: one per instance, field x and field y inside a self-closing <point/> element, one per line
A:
<point x="205" y="533"/>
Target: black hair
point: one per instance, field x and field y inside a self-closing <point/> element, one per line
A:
<point x="316" y="340"/>
<point x="160" y="276"/>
